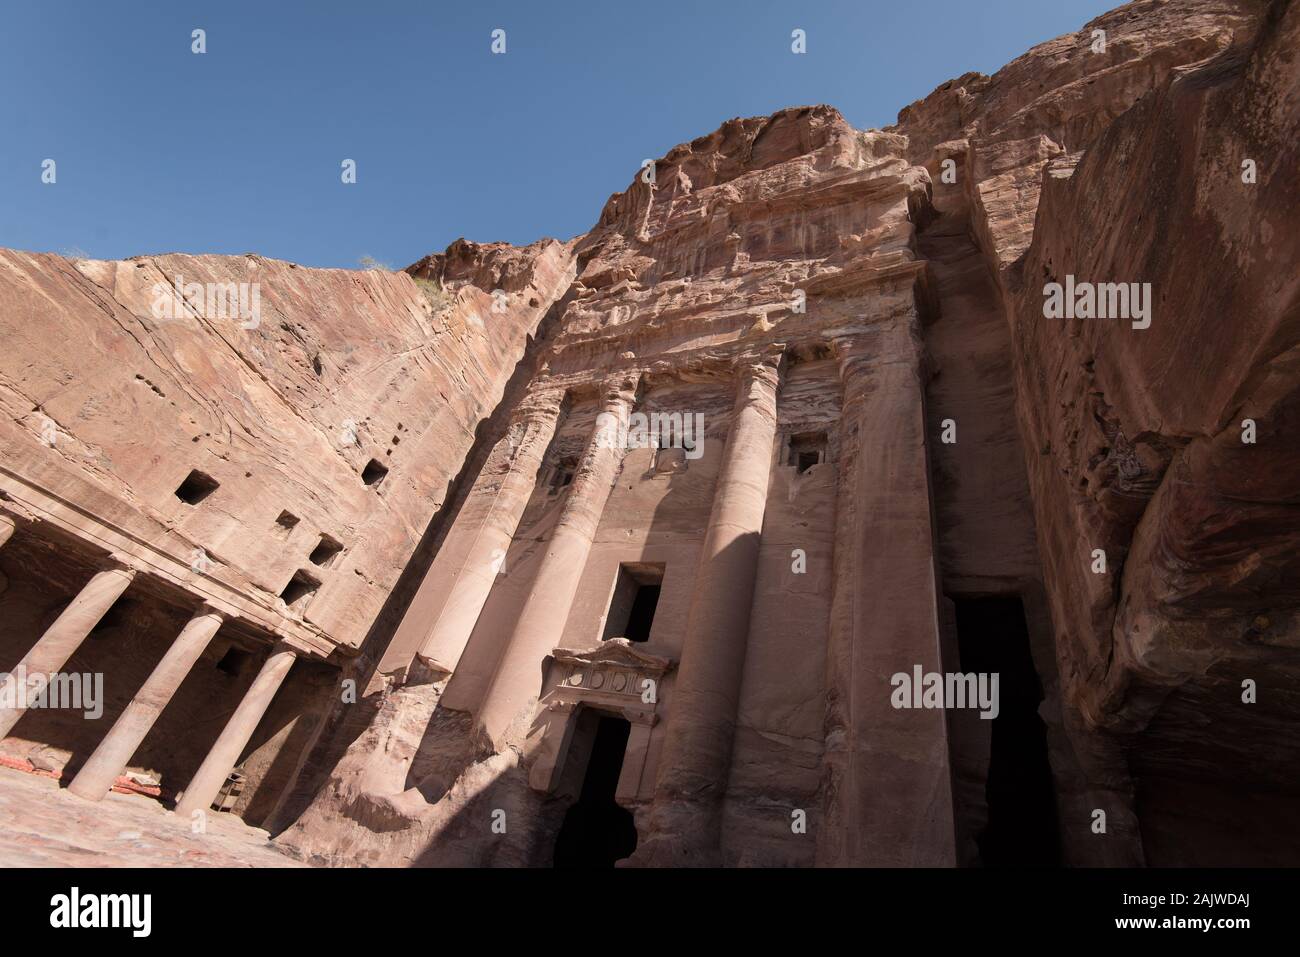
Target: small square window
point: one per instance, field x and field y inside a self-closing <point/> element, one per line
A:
<point x="806" y="450"/>
<point x="286" y="520"/>
<point x="118" y="615"/>
<point x="298" y="592"/>
<point x="374" y="472"/>
<point x="196" y="487"/>
<point x="325" y="551"/>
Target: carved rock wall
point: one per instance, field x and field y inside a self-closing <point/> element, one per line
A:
<point x="921" y="252"/>
<point x="284" y="412"/>
<point x="1135" y="442"/>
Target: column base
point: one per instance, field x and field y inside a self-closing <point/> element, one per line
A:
<point x="680" y="838"/>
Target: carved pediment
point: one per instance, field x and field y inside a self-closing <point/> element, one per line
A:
<point x="616" y="653"/>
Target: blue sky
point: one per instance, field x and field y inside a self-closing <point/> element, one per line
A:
<point x="239" y="149"/>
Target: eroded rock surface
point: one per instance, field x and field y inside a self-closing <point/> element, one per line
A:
<point x="866" y="311"/>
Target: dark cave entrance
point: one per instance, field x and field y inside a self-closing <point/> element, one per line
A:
<point x="1022" y="824"/>
<point x="597" y="831"/>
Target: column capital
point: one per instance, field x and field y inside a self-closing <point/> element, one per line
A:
<point x="542" y="404"/>
<point x="772" y="355"/>
<point x="887" y="343"/>
<point x="850" y="347"/>
<point x="758" y="377"/>
<point x="647" y="717"/>
<point x="764" y="364"/>
<point x="121" y="562"/>
<point x="620" y="388"/>
<point x="207" y="608"/>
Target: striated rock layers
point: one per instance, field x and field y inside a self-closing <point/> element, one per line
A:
<point x="326" y="422"/>
<point x="632" y="548"/>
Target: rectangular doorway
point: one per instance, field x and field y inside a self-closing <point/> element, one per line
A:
<point x="993" y="638"/>
<point x="597" y="831"/>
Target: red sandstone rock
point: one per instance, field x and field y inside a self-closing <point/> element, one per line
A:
<point x="809" y="289"/>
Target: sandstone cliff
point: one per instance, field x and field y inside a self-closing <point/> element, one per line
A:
<point x="283" y="410"/>
<point x="1166" y="444"/>
<point x="327" y="414"/>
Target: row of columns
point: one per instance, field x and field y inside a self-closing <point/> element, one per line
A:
<point x="456" y="589"/>
<point x="887" y="787"/>
<point x="887" y="783"/>
<point x="516" y="683"/>
<point x="62" y="639"/>
<point x="442" y="615"/>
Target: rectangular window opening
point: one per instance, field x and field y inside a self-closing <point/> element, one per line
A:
<point x="635" y="599"/>
<point x="196" y="487"/>
<point x="374" y="472"/>
<point x="325" y="551"/>
<point x="298" y="592"/>
<point x="806" y="450"/>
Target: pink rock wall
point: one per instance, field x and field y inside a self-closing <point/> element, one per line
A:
<point x="285" y="412"/>
<point x="920" y="253"/>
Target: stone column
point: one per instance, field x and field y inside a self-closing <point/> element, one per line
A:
<point x="110" y="759"/>
<point x="216" y="767"/>
<point x="517" y="680"/>
<point x="446" y="607"/>
<point x="686" y="817"/>
<point x="70" y="629"/>
<point x="887" y="782"/>
<point x="6" y="528"/>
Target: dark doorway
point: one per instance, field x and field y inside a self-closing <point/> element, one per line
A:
<point x="596" y="830"/>
<point x="1022" y="826"/>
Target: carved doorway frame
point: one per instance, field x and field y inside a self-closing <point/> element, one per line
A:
<point x="615" y="679"/>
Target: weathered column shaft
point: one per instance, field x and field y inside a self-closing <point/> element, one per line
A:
<point x="516" y="681"/>
<point x="6" y="528"/>
<point x="702" y="715"/>
<point x="110" y="759"/>
<point x="64" y="637"/>
<point x="888" y="784"/>
<point x="216" y="767"/>
<point x="442" y="616"/>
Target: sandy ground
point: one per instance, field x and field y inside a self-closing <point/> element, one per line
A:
<point x="42" y="825"/>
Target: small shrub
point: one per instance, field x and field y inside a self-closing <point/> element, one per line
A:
<point x="437" y="297"/>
